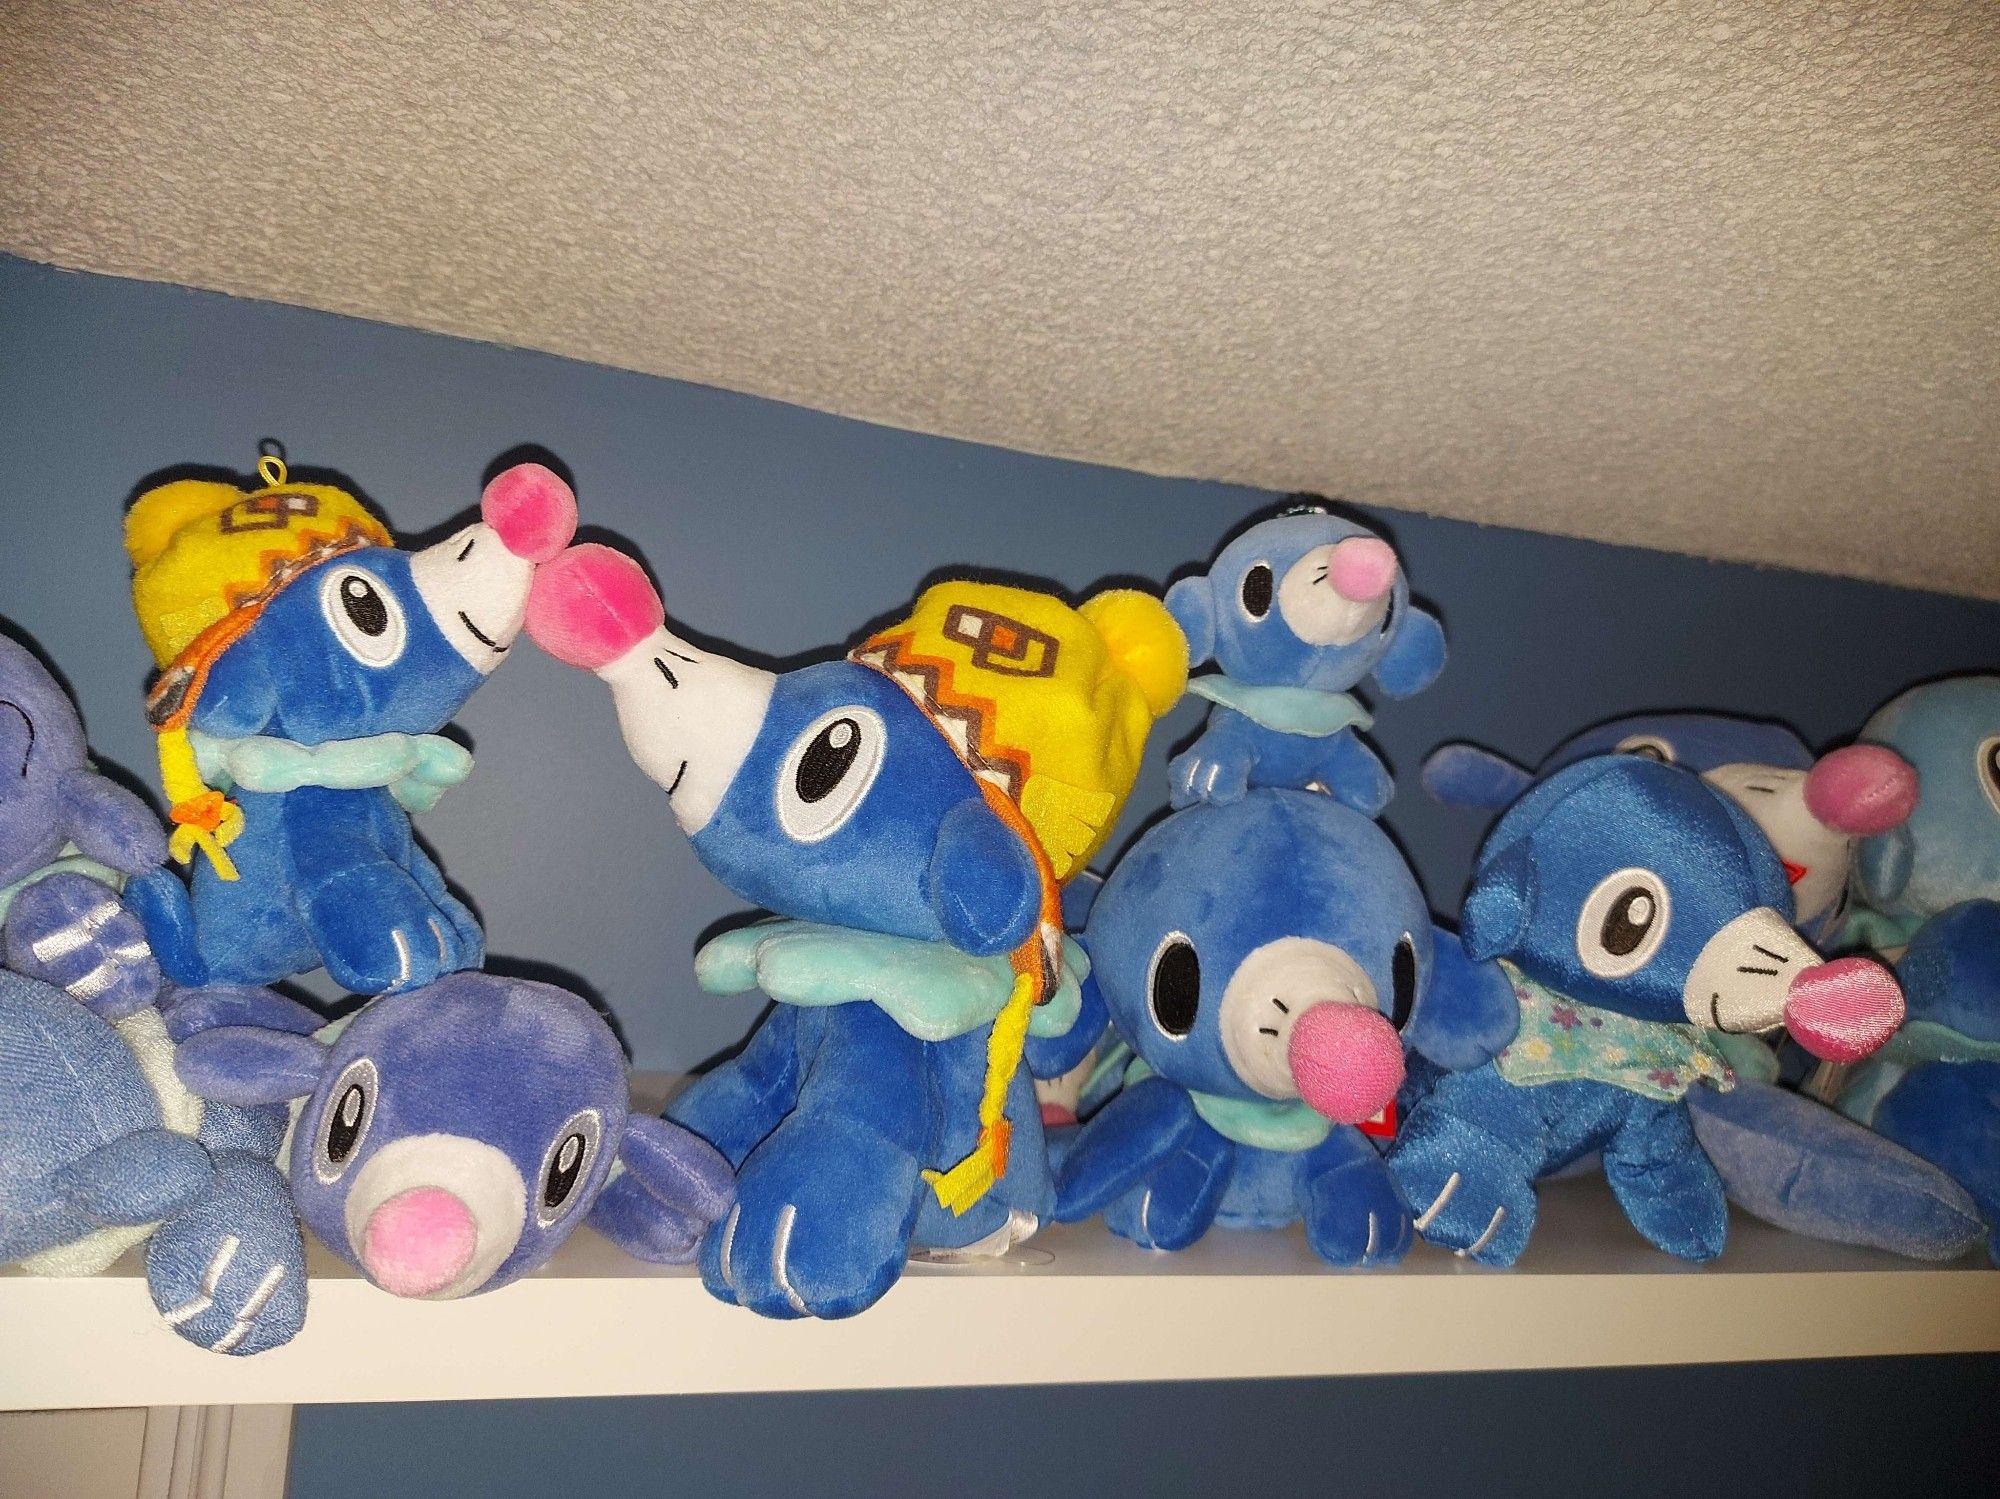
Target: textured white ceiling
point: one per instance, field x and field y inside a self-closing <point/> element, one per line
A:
<point x="1714" y="277"/>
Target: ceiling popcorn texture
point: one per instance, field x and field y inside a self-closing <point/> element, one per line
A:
<point x="1720" y="278"/>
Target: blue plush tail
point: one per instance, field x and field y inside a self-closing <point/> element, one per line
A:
<point x="162" y="903"/>
<point x="1809" y="1170"/>
<point x="1464" y="775"/>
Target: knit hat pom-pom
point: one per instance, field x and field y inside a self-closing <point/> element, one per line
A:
<point x="159" y="513"/>
<point x="1143" y="642"/>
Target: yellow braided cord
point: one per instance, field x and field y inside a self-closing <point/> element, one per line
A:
<point x="968" y="1181"/>
<point x="203" y="818"/>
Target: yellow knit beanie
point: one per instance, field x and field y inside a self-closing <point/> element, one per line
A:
<point x="1049" y="707"/>
<point x="206" y="558"/>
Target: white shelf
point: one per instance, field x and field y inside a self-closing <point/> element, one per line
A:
<point x="1074" y="1305"/>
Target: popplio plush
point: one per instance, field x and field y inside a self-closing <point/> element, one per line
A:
<point x="306" y="667"/>
<point x="1935" y="1087"/>
<point x="69" y="839"/>
<point x="1813" y="810"/>
<point x="1269" y="961"/>
<point x="1636" y="910"/>
<point x="1296" y="611"/>
<point x="913" y="810"/>
<point x="447" y="1140"/>
<point x="102" y="1149"/>
<point x="1948" y="851"/>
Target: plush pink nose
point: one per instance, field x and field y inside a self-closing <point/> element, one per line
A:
<point x="418" y="1242"/>
<point x="1843" y="1010"/>
<point x="1862" y="790"/>
<point x="1362" y="569"/>
<point x="532" y="509"/>
<point x="1347" y="1061"/>
<point x="591" y="605"/>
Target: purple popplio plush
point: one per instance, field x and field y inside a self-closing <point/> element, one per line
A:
<point x="1296" y="611"/>
<point x="68" y="840"/>
<point x="448" y="1139"/>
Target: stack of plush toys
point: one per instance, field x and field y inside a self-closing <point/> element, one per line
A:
<point x="1254" y="1020"/>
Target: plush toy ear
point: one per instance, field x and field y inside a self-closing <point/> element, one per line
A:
<point x="982" y="884"/>
<point x="1499" y="906"/>
<point x="1192" y="604"/>
<point x="111" y="825"/>
<point x="239" y="698"/>
<point x="1078" y="896"/>
<point x="241" y="1064"/>
<point x="1415" y="655"/>
<point x="1882" y="865"/>
<point x="1469" y="1012"/>
<point x="1464" y="775"/>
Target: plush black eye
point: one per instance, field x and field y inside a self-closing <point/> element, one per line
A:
<point x="1989" y="770"/>
<point x="1646" y="747"/>
<point x="564" y="1171"/>
<point x="346" y="1120"/>
<point x="1622" y="923"/>
<point x="1174" y="987"/>
<point x="1403" y="981"/>
<point x="828" y="771"/>
<point x="567" y="1164"/>
<point x="1625" y="925"/>
<point x="362" y="601"/>
<point x="1257" y="590"/>
<point x="827" y="760"/>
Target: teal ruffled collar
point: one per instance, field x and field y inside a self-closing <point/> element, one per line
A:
<point x="931" y="989"/>
<point x="416" y="769"/>
<point x="1285" y="1125"/>
<point x="1306" y="711"/>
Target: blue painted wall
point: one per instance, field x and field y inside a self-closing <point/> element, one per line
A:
<point x="784" y="531"/>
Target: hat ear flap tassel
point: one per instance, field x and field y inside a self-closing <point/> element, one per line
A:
<point x="203" y="818"/>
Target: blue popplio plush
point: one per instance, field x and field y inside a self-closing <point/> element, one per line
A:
<point x="1637" y="910"/>
<point x="1935" y="1087"/>
<point x="103" y="1149"/>
<point x="1948" y="851"/>
<point x="307" y="665"/>
<point x="912" y="811"/>
<point x="1296" y="611"/>
<point x="1269" y="961"/>
<point x="69" y="839"/>
<point x="447" y="1140"/>
<point x="1812" y="810"/>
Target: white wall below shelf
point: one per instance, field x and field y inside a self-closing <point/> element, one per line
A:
<point x="1074" y="1305"/>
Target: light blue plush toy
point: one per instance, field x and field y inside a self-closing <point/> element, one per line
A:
<point x="1269" y="961"/>
<point x="449" y="1139"/>
<point x="1949" y="849"/>
<point x="1812" y="810"/>
<point x="1297" y="611"/>
<point x="69" y="839"/>
<point x="1638" y="911"/>
<point x="307" y="667"/>
<point x="103" y="1149"/>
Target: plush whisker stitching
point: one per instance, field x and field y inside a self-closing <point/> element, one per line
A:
<point x="210" y="1279"/>
<point x="1431" y="1212"/>
<point x="788" y="1215"/>
<point x="1492" y="1228"/>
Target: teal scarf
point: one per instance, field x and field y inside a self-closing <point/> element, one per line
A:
<point x="931" y="989"/>
<point x="1305" y="711"/>
<point x="1285" y="1125"/>
<point x="416" y="769"/>
<point x="1562" y="1040"/>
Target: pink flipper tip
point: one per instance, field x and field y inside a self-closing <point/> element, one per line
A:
<point x="1347" y="1061"/>
<point x="1843" y="1010"/>
<point x="1362" y="569"/>
<point x="1862" y="790"/>
<point x="591" y="605"/>
<point x="533" y="510"/>
<point x="418" y="1242"/>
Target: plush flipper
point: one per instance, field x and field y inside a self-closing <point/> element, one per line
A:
<point x="71" y="932"/>
<point x="164" y="908"/>
<point x="229" y="1273"/>
<point x="1798" y="1164"/>
<point x="137" y="1178"/>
